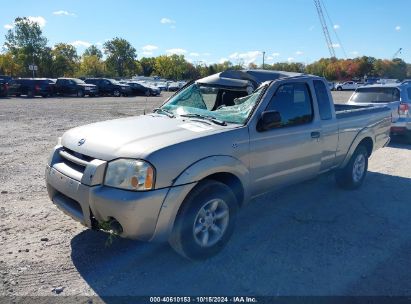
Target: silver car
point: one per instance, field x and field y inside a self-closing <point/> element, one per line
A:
<point x="396" y="96"/>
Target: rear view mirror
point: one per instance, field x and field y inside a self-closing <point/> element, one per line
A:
<point x="269" y="120"/>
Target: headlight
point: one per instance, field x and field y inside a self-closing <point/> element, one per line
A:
<point x="130" y="174"/>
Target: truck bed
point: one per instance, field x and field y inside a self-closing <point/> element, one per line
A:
<point x="344" y="110"/>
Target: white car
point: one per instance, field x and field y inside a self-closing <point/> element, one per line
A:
<point x="348" y="85"/>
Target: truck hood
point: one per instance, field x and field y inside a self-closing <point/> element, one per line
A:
<point x="135" y="137"/>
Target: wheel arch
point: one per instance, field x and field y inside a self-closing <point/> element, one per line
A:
<point x="365" y="138"/>
<point x="225" y="169"/>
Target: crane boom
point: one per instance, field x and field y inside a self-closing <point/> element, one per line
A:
<point x="325" y="28"/>
<point x="397" y="53"/>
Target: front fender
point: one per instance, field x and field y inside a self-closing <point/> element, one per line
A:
<point x="211" y="165"/>
<point x="187" y="180"/>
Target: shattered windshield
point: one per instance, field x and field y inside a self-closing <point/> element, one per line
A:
<point x="224" y="104"/>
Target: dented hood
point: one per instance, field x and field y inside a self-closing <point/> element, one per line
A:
<point x="135" y="137"/>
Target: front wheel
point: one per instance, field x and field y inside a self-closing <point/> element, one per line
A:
<point x="353" y="174"/>
<point x="116" y="93"/>
<point x="80" y="93"/>
<point x="147" y="93"/>
<point x="206" y="221"/>
<point x="339" y="88"/>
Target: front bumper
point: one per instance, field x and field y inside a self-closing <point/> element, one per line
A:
<point x="137" y="212"/>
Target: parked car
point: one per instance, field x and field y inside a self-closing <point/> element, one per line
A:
<point x="141" y="89"/>
<point x="32" y="87"/>
<point x="74" y="86"/>
<point x="162" y="85"/>
<point x="348" y="85"/>
<point x="111" y="87"/>
<point x="4" y="88"/>
<point x="183" y="172"/>
<point x="7" y="78"/>
<point x="396" y="96"/>
<point x="173" y="86"/>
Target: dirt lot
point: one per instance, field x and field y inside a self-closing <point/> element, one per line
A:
<point x="309" y="239"/>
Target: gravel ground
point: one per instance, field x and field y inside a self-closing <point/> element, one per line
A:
<point x="308" y="239"/>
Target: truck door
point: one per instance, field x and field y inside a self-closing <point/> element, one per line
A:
<point x="72" y="87"/>
<point x="329" y="125"/>
<point x="291" y="151"/>
<point x="60" y="86"/>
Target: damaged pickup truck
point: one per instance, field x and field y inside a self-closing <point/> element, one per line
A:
<point x="183" y="172"/>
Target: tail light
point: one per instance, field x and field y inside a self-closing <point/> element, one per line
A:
<point x="37" y="88"/>
<point x="403" y="109"/>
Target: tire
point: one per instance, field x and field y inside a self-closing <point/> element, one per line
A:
<point x="408" y="137"/>
<point x="193" y="222"/>
<point x="147" y="93"/>
<point x="116" y="93"/>
<point x="339" y="88"/>
<point x="353" y="174"/>
<point x="80" y="93"/>
<point x="30" y="94"/>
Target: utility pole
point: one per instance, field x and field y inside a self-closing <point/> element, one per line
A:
<point x="263" y="58"/>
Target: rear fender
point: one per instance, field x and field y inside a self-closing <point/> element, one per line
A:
<point x="364" y="133"/>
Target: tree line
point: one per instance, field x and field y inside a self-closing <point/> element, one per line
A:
<point x="26" y="45"/>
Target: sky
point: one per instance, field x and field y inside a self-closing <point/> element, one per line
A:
<point x="212" y="31"/>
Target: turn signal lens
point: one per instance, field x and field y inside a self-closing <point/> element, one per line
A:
<point x="149" y="183"/>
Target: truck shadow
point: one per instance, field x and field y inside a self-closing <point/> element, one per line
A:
<point x="307" y="239"/>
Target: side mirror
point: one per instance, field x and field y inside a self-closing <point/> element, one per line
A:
<point x="269" y="120"/>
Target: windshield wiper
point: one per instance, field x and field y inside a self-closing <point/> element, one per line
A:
<point x="164" y="111"/>
<point x="209" y="118"/>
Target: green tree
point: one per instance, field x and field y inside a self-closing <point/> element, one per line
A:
<point x="93" y="50"/>
<point x="25" y="42"/>
<point x="147" y="64"/>
<point x="408" y="70"/>
<point x="65" y="60"/>
<point x="9" y="66"/>
<point x="91" y="66"/>
<point x="121" y="56"/>
<point x="45" y="63"/>
<point x="171" y="67"/>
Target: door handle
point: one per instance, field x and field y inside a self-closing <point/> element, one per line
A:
<point x="315" y="134"/>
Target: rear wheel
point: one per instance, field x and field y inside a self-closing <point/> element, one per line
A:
<point x="30" y="94"/>
<point x="353" y="174"/>
<point x="339" y="88"/>
<point x="116" y="93"/>
<point x="147" y="93"/>
<point x="206" y="220"/>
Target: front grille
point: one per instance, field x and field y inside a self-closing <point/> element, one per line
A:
<point x="75" y="160"/>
